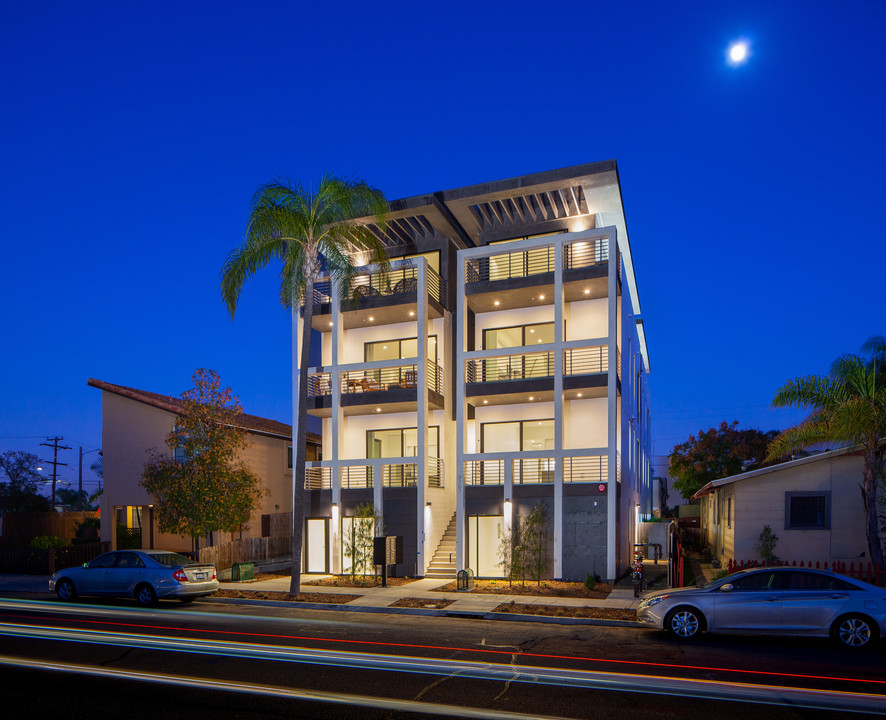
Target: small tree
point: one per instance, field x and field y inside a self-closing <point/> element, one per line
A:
<point x="765" y="545"/>
<point x="204" y="487"/>
<point x="510" y="552"/>
<point x="360" y="537"/>
<point x="536" y="542"/>
<point x="19" y="492"/>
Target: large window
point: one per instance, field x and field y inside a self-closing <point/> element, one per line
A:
<point x="517" y="436"/>
<point x="400" y="443"/>
<point x="398" y="349"/>
<point x="518" y="336"/>
<point x="807" y="510"/>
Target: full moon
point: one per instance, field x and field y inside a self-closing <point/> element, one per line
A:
<point x="738" y="52"/>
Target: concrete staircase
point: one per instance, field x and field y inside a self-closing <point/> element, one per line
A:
<point x="442" y="565"/>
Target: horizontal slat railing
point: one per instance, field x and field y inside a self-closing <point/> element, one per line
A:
<point x="586" y="361"/>
<point x="484" y="472"/>
<point x="593" y="468"/>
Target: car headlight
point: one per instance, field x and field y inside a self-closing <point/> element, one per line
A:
<point x="652" y="601"/>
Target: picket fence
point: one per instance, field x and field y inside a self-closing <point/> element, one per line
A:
<point x="869" y="573"/>
<point x="256" y="550"/>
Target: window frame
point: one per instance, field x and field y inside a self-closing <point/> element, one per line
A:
<point x="510" y="422"/>
<point x="788" y="519"/>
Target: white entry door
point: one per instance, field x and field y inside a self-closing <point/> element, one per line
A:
<point x="484" y="544"/>
<point x="316" y="555"/>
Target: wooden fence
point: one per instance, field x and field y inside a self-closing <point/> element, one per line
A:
<point x="256" y="550"/>
<point x="866" y="572"/>
<point x="19" y="528"/>
<point x="30" y="561"/>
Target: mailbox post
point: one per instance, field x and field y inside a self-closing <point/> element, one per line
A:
<point x="387" y="550"/>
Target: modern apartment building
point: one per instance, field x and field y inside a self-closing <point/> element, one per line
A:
<point x="500" y="364"/>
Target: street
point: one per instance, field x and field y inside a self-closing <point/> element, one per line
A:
<point x="274" y="661"/>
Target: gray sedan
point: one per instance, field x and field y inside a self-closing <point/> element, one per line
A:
<point x="145" y="575"/>
<point x="772" y="601"/>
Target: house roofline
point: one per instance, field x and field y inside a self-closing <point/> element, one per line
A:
<point x="714" y="484"/>
<point x="250" y="423"/>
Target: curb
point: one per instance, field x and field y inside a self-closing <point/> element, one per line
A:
<point x="462" y="615"/>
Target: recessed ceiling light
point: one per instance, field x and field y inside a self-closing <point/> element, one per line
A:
<point x="532" y="330"/>
<point x="411" y="314"/>
<point x="485" y="402"/>
<point x="330" y="324"/>
<point x="371" y="319"/>
<point x="579" y="394"/>
<point x="384" y="347"/>
<point x="541" y="297"/>
<point x="587" y="291"/>
<point x="539" y="339"/>
<point x="496" y="303"/>
<point x="532" y="397"/>
<point x="377" y="409"/>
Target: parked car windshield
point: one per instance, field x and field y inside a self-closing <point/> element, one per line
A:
<point x="171" y="559"/>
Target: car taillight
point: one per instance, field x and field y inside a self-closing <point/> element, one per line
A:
<point x="213" y="574"/>
<point x="180" y="576"/>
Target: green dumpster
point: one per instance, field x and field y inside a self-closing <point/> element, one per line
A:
<point x="242" y="571"/>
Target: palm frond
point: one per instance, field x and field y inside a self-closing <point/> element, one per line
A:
<point x="811" y="391"/>
<point x="813" y="430"/>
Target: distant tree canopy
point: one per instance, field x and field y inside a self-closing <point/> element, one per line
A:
<point x="716" y="453"/>
<point x="203" y="487"/>
<point x="19" y="492"/>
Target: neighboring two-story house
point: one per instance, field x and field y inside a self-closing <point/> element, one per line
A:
<point x="500" y="363"/>
<point x="135" y="422"/>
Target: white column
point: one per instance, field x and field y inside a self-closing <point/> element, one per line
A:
<point x="612" y="427"/>
<point x="559" y="338"/>
<point x="421" y="394"/>
<point x="336" y="425"/>
<point x="458" y="397"/>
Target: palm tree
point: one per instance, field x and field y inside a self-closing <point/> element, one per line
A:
<point x="848" y="406"/>
<point x="312" y="233"/>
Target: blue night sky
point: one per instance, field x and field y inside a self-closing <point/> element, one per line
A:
<point x="134" y="135"/>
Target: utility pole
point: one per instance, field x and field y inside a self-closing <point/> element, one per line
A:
<point x="55" y="463"/>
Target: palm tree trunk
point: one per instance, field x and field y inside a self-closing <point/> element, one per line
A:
<point x="300" y="435"/>
<point x="869" y="497"/>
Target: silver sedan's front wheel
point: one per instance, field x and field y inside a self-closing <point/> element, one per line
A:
<point x="854" y="631"/>
<point x="684" y="623"/>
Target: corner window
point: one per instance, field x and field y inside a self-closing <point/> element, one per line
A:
<point x="807" y="511"/>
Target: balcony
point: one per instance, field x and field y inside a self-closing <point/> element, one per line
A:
<point x="394" y="472"/>
<point x="526" y="278"/>
<point x="537" y="470"/>
<point x="386" y="389"/>
<point x="376" y="299"/>
<point x="516" y="378"/>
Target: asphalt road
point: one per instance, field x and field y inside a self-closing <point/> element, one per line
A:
<point x="272" y="662"/>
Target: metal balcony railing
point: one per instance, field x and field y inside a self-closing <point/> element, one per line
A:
<point x="435" y="472"/>
<point x="586" y="361"/>
<point x="533" y="471"/>
<point x="538" y="261"/>
<point x="318" y="478"/>
<point x="484" y="472"/>
<point x="510" y="367"/>
<point x="399" y="280"/>
<point x="356" y="476"/>
<point x="592" y="468"/>
<point x="389" y="378"/>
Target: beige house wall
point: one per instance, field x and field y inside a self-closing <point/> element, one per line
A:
<point x="130" y="429"/>
<point x="760" y="500"/>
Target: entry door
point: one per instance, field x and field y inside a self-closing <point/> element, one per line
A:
<point x="316" y="544"/>
<point x="484" y="544"/>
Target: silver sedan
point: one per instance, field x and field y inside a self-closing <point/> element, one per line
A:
<point x="772" y="601"/>
<point x="145" y="575"/>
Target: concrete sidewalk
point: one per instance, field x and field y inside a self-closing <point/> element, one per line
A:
<point x="380" y="598"/>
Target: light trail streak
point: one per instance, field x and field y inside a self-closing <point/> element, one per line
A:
<point x="390" y="704"/>
<point x="625" y="682"/>
<point x="116" y="612"/>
